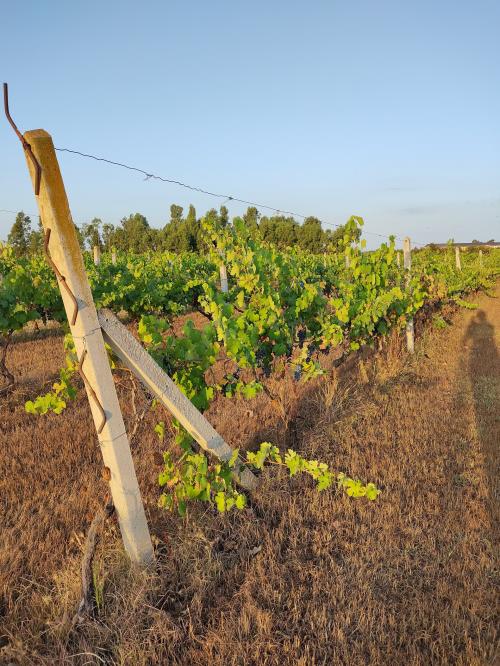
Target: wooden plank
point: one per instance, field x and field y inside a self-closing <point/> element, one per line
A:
<point x="66" y="254"/>
<point x="137" y="359"/>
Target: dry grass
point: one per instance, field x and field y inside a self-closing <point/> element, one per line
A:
<point x="297" y="578"/>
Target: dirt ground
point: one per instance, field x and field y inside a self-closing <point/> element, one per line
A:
<point x="298" y="577"/>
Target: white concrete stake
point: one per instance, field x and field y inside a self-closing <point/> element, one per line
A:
<point x="224" y="286"/>
<point x="145" y="368"/>
<point x="457" y="258"/>
<point x="97" y="255"/>
<point x="84" y="326"/>
<point x="480" y="258"/>
<point x="410" y="335"/>
<point x="398" y="258"/>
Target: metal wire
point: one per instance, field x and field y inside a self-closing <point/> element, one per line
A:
<point x="150" y="175"/>
<point x="228" y="197"/>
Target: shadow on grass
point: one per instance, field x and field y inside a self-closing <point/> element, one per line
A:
<point x="484" y="376"/>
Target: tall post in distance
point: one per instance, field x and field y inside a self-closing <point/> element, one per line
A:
<point x="113" y="256"/>
<point x="480" y="258"/>
<point x="224" y="285"/>
<point x="457" y="258"/>
<point x="64" y="254"/>
<point x="410" y="335"/>
<point x="97" y="255"/>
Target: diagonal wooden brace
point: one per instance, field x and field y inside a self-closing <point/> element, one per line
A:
<point x="137" y="359"/>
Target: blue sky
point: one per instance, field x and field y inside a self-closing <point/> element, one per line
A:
<point x="388" y="110"/>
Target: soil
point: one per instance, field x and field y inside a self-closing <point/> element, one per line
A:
<point x="297" y="577"/>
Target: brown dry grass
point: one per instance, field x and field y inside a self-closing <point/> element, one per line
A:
<point x="410" y="579"/>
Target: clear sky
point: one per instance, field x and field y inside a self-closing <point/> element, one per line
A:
<point x="389" y="109"/>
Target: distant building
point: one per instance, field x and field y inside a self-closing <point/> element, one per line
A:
<point x="466" y="245"/>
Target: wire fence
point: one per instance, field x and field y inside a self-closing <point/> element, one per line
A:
<point x="150" y="175"/>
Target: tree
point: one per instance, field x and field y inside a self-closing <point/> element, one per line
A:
<point x="19" y="234"/>
<point x="223" y="216"/>
<point x="175" y="233"/>
<point x="251" y="219"/>
<point x="192" y="226"/>
<point x="36" y="238"/>
<point x="91" y="233"/>
<point x="107" y="235"/>
<point x="279" y="230"/>
<point x="311" y="235"/>
<point x="176" y="214"/>
<point x="133" y="234"/>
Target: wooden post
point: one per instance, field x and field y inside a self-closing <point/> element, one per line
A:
<point x="457" y="258"/>
<point x="224" y="286"/>
<point x="113" y="256"/>
<point x="67" y="257"/>
<point x="410" y="335"/>
<point x="97" y="255"/>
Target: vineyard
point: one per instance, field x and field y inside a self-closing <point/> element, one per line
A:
<point x="287" y="307"/>
<point x="241" y="332"/>
<point x="286" y="318"/>
<point x="282" y="311"/>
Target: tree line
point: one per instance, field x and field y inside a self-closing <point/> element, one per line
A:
<point x="182" y="232"/>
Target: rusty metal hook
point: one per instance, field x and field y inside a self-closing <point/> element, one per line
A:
<point x="26" y="145"/>
<point x="92" y="392"/>
<point x="60" y="276"/>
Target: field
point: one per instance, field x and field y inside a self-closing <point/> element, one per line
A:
<point x="309" y="353"/>
<point x="297" y="577"/>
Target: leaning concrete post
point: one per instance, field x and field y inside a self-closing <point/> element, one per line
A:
<point x="64" y="253"/>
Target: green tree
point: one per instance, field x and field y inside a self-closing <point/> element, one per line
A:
<point x="251" y="219"/>
<point x="176" y="214"/>
<point x="279" y="230"/>
<point x="223" y="216"/>
<point x="19" y="234"/>
<point x="91" y="233"/>
<point x="311" y="235"/>
<point x="133" y="234"/>
<point x="175" y="236"/>
<point x="108" y="231"/>
<point x="36" y="238"/>
<point x="192" y="229"/>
